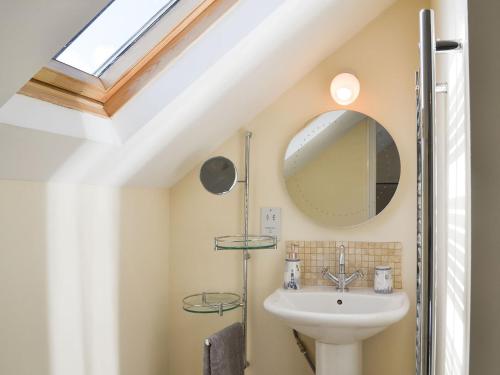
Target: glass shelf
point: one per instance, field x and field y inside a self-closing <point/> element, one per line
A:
<point x="211" y="302"/>
<point x="248" y="243"/>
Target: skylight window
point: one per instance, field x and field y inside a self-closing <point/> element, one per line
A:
<point x="111" y="33"/>
<point x="120" y="51"/>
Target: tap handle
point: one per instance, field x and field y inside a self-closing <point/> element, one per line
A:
<point x="342" y="254"/>
<point x="324" y="271"/>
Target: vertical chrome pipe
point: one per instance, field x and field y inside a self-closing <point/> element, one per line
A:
<point x="246" y="255"/>
<point x="425" y="206"/>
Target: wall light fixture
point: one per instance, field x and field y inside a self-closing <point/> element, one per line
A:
<point x="344" y="88"/>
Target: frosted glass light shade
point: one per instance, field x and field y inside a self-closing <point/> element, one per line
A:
<point x="344" y="88"/>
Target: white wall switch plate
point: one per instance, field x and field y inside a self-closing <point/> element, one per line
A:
<point x="270" y="221"/>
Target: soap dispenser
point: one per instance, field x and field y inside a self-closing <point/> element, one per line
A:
<point x="292" y="270"/>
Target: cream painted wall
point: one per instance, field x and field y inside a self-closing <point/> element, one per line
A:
<point x="83" y="275"/>
<point x="321" y="195"/>
<point x="384" y="57"/>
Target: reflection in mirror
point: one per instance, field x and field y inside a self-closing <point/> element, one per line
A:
<point x="218" y="175"/>
<point x="342" y="169"/>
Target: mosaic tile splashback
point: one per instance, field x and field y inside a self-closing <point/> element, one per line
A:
<point x="364" y="256"/>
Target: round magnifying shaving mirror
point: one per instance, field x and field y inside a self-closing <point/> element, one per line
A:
<point x="218" y="175"/>
<point x="342" y="169"/>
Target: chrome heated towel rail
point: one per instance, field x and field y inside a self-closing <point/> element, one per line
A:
<point x="426" y="163"/>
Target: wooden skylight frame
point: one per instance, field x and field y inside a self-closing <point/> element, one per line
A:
<point x="69" y="87"/>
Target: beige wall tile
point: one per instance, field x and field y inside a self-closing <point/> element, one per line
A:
<point x="359" y="256"/>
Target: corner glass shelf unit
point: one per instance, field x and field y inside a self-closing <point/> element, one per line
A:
<point x="249" y="242"/>
<point x="211" y="302"/>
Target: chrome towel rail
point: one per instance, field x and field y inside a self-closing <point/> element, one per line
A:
<point x="426" y="162"/>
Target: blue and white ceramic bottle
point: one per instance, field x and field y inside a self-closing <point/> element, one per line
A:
<point x="291" y="278"/>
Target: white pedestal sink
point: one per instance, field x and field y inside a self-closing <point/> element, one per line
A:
<point x="337" y="321"/>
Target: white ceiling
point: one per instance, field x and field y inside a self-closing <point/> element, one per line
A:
<point x="32" y="31"/>
<point x="222" y="81"/>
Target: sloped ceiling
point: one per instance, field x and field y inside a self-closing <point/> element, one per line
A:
<point x="240" y="66"/>
<point x="32" y="31"/>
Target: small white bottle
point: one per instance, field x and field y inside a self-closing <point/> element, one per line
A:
<point x="291" y="278"/>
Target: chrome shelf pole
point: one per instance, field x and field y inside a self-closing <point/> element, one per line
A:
<point x="246" y="255"/>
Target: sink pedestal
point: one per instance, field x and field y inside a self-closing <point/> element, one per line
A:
<point x="334" y="359"/>
<point x="338" y="321"/>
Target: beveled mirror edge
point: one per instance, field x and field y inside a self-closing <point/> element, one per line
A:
<point x="368" y="221"/>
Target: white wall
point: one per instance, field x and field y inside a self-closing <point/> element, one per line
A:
<point x="453" y="184"/>
<point x="82" y="280"/>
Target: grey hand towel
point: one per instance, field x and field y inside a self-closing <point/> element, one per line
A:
<point x="224" y="355"/>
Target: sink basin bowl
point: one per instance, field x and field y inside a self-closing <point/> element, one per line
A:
<point x="337" y="321"/>
<point x="332" y="317"/>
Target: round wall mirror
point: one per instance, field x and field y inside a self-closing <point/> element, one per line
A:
<point x="218" y="175"/>
<point x="342" y="168"/>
